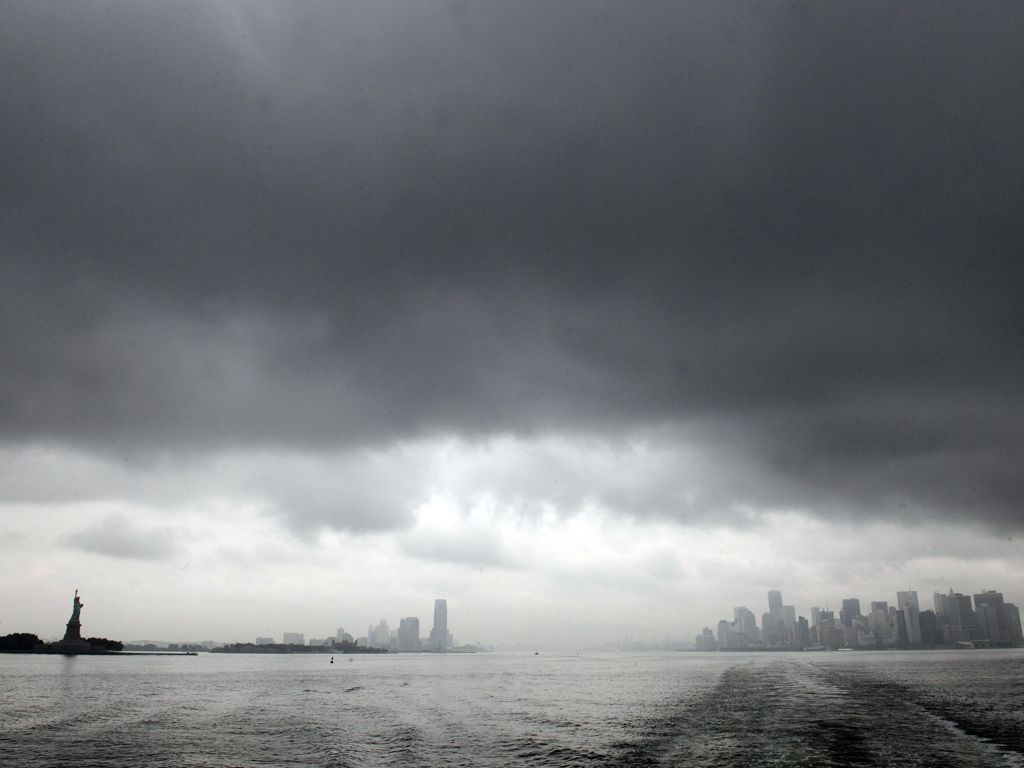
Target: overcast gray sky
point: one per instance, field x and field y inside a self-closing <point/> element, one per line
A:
<point x="595" y="318"/>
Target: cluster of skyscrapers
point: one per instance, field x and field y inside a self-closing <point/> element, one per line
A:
<point x="406" y="639"/>
<point x="990" y="621"/>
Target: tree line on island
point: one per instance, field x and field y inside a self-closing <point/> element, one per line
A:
<point x="26" y="642"/>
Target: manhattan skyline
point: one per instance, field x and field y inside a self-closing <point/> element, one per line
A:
<point x="951" y="621"/>
<point x="593" y="318"/>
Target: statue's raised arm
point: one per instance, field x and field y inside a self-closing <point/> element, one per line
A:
<point x="77" y="607"/>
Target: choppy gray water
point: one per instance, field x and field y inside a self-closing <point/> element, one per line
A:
<point x="680" y="709"/>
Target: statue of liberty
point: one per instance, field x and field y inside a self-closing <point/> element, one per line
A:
<point x="74" y="632"/>
<point x="77" y="609"/>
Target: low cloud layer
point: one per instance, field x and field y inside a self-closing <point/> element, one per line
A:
<point x="118" y="537"/>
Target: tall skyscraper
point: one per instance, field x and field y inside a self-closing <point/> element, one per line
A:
<point x="724" y="633"/>
<point x="746" y="622"/>
<point x="409" y="634"/>
<point x="803" y="633"/>
<point x="851" y="608"/>
<point x="439" y="634"/>
<point x="815" y="617"/>
<point x="943" y="622"/>
<point x="372" y="638"/>
<point x="829" y="633"/>
<point x="930" y="634"/>
<point x="907" y="603"/>
<point x="963" y="623"/>
<point x="1013" y="624"/>
<point x="773" y="623"/>
<point x="992" y="616"/>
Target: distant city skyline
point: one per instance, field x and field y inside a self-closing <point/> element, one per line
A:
<point x="998" y="618"/>
<point x="662" y="634"/>
<point x="992" y="621"/>
<point x="405" y="639"/>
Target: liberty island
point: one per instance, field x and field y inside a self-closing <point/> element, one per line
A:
<point x="72" y="644"/>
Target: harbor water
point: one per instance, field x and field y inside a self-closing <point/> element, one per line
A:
<point x="929" y="708"/>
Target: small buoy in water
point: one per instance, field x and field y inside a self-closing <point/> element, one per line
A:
<point x="536" y="653"/>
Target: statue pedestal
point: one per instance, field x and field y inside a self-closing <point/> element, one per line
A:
<point x="72" y="644"/>
<point x="73" y="633"/>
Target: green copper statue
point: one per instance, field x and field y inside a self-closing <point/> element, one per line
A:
<point x="77" y="608"/>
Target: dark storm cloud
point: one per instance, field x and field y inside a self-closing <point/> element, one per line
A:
<point x="795" y="228"/>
